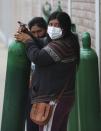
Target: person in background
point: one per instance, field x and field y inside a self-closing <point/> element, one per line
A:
<point x="38" y="28"/>
<point x="56" y="65"/>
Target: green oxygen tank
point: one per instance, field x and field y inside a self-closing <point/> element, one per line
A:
<point x="16" y="88"/>
<point x="88" y="87"/>
<point x="73" y="119"/>
<point x="86" y="113"/>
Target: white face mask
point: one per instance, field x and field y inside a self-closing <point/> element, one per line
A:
<point x="54" y="32"/>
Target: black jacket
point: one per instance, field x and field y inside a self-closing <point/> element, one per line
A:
<point x="55" y="66"/>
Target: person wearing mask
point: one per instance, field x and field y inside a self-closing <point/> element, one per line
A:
<point x="55" y="67"/>
<point x="38" y="27"/>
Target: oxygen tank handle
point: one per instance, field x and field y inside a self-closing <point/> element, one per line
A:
<point x="23" y="27"/>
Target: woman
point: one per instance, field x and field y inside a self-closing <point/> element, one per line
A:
<point x="55" y="68"/>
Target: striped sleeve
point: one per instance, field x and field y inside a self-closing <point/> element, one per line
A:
<point x="52" y="53"/>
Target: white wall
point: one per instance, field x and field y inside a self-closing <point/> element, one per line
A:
<point x="3" y="59"/>
<point x="98" y="33"/>
<point x="10" y="12"/>
<point x="100" y="42"/>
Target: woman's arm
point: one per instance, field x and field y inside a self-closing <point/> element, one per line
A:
<point x="35" y="54"/>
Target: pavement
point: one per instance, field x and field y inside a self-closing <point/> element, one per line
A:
<point x="3" y="64"/>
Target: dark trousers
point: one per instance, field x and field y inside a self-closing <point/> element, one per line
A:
<point x="30" y="125"/>
<point x="61" y="114"/>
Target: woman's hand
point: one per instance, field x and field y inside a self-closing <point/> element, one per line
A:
<point x="23" y="37"/>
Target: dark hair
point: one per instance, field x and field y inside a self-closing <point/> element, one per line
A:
<point x="64" y="20"/>
<point x="39" y="21"/>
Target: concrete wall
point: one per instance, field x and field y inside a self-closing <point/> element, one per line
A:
<point x="10" y="12"/>
<point x="37" y="6"/>
<point x="83" y="15"/>
<point x="100" y="49"/>
<point x="100" y="26"/>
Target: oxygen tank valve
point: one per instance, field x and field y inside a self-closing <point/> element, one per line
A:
<point x="23" y="27"/>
